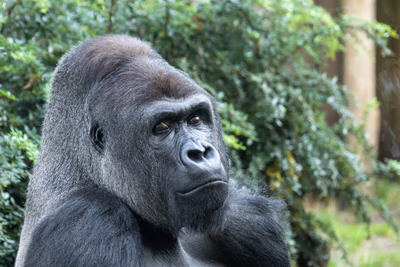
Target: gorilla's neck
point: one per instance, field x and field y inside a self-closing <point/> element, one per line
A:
<point x="161" y="248"/>
<point x="155" y="238"/>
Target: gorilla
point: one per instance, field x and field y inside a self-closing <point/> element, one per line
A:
<point x="133" y="171"/>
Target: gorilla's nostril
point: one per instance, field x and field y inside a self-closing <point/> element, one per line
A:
<point x="195" y="155"/>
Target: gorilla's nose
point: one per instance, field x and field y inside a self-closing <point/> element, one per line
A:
<point x="201" y="157"/>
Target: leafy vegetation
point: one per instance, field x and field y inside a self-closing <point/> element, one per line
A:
<point x="259" y="58"/>
<point x="377" y="247"/>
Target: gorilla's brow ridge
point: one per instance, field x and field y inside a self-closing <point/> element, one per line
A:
<point x="166" y="109"/>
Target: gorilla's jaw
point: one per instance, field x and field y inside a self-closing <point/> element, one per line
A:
<point x="203" y="208"/>
<point x="200" y="210"/>
<point x="172" y="198"/>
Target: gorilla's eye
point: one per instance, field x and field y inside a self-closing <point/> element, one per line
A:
<point x="194" y="120"/>
<point x="162" y="126"/>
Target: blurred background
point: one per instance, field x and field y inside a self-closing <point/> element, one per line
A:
<point x="308" y="93"/>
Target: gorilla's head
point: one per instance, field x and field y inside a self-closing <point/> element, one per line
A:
<point x="125" y="120"/>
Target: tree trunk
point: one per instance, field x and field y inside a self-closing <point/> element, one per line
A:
<point x="359" y="70"/>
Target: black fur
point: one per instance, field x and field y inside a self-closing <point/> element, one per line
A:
<point x="101" y="231"/>
<point x="133" y="171"/>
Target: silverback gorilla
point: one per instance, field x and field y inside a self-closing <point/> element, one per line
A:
<point x="133" y="171"/>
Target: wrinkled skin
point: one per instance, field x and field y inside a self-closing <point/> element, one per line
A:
<point x="133" y="171"/>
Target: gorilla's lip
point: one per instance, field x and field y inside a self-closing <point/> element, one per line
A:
<point x="199" y="187"/>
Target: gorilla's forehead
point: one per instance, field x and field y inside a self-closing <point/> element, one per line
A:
<point x="162" y="80"/>
<point x="128" y="72"/>
<point x="146" y="81"/>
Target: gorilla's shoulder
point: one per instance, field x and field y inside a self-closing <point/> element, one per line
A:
<point x="99" y="203"/>
<point x="81" y="218"/>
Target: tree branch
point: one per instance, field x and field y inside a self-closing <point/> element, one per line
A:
<point x="166" y="25"/>
<point x="110" y="14"/>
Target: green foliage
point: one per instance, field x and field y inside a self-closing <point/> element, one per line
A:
<point x="380" y="249"/>
<point x="259" y="58"/>
<point x="13" y="178"/>
<point x="394" y="166"/>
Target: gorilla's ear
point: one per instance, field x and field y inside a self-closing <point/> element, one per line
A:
<point x="97" y="136"/>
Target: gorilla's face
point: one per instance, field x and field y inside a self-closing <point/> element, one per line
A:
<point x="162" y="150"/>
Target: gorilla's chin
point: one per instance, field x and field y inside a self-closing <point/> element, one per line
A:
<point x="203" y="208"/>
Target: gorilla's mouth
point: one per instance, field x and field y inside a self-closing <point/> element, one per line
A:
<point x="196" y="189"/>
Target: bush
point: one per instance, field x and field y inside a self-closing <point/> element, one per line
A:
<point x="259" y="58"/>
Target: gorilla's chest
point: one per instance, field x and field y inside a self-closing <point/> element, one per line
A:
<point x="175" y="258"/>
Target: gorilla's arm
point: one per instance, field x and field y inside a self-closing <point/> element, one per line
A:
<point x="253" y="235"/>
<point x="92" y="228"/>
